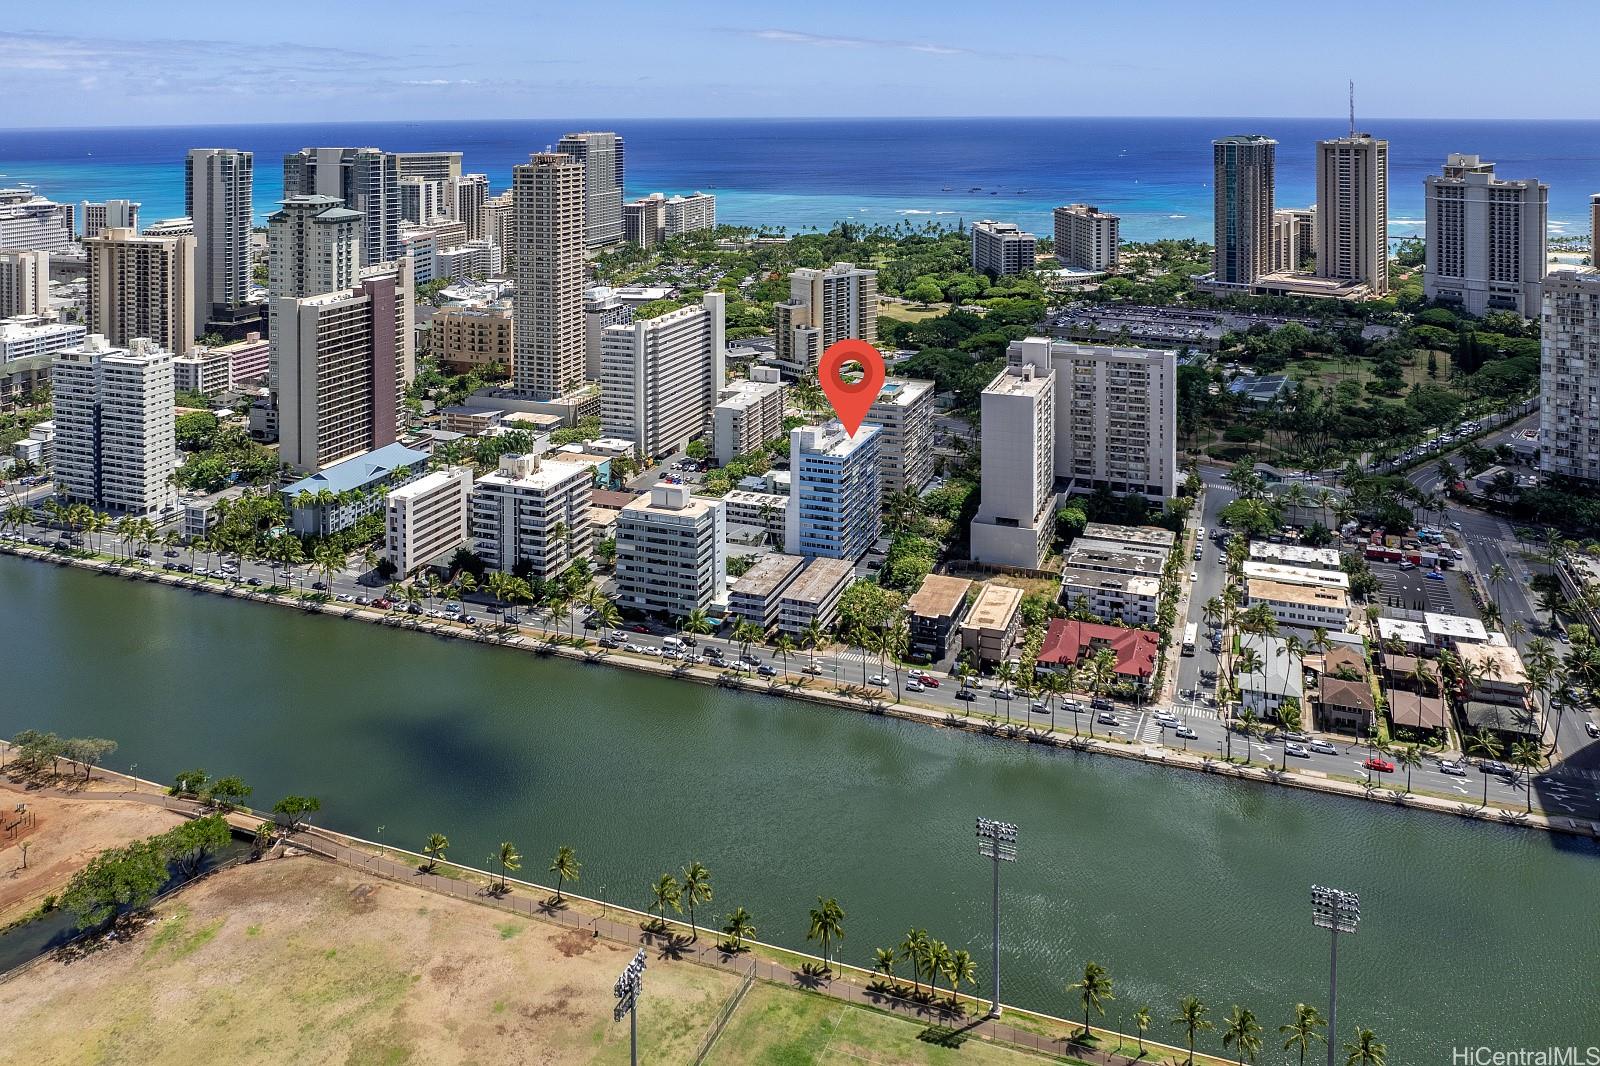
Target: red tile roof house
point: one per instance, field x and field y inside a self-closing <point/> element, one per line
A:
<point x="1069" y="641"/>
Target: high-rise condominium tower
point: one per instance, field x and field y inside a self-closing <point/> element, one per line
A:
<point x="115" y="441"/>
<point x="660" y="377"/>
<point x="313" y="247"/>
<point x="366" y="179"/>
<point x="601" y="156"/>
<point x="1243" y="177"/>
<point x="548" y="194"/>
<point x="113" y="214"/>
<point x="218" y="184"/>
<point x="1087" y="238"/>
<point x="1569" y="373"/>
<point x="142" y="286"/>
<point x="824" y="306"/>
<point x="1353" y="211"/>
<point x="1486" y="238"/>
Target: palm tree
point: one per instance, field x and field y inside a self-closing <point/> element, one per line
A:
<point x="784" y="646"/>
<point x="1243" y="1033"/>
<point x="961" y="969"/>
<point x="1526" y="755"/>
<point x="1093" y="990"/>
<point x="739" y="927"/>
<point x="510" y="859"/>
<point x="1192" y="1016"/>
<point x="696" y="889"/>
<point x="1141" y="1022"/>
<point x="827" y="925"/>
<point x="1410" y="756"/>
<point x="565" y="866"/>
<point x="911" y="949"/>
<point x="1300" y="1032"/>
<point x="1484" y="745"/>
<point x="883" y="962"/>
<point x="434" y="849"/>
<point x="814" y="637"/>
<point x="936" y="956"/>
<point x="668" y="894"/>
<point x="697" y="624"/>
<point x="1365" y="1050"/>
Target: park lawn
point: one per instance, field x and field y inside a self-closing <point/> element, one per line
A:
<point x="906" y="313"/>
<point x="302" y="960"/>
<point x="782" y="1027"/>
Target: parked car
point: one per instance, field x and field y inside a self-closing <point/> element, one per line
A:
<point x="807" y="669"/>
<point x="766" y="671"/>
<point x="1499" y="769"/>
<point x="1322" y="747"/>
<point x="1297" y="736"/>
<point x="966" y="694"/>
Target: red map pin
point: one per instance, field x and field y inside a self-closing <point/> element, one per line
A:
<point x="851" y="399"/>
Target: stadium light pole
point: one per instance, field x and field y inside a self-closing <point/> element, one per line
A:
<point x="1337" y="911"/>
<point x="996" y="841"/>
<point x="629" y="984"/>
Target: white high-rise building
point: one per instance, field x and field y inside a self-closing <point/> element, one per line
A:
<point x="423" y="201"/>
<point x="824" y="305"/>
<point x="1087" y="238"/>
<point x="106" y="214"/>
<point x="904" y="411"/>
<point x="1116" y="415"/>
<point x="660" y="377"/>
<point x="498" y="221"/>
<point x="532" y="515"/>
<point x="1569" y="374"/>
<point x="24" y="282"/>
<point x="1486" y="238"/>
<point x="1016" y="516"/>
<point x="28" y="220"/>
<point x="142" y="286"/>
<point x="115" y="429"/>
<point x="1353" y="211"/>
<point x="366" y="179"/>
<point x="1000" y="248"/>
<point x="602" y="307"/>
<point x="685" y="214"/>
<point x="1244" y="176"/>
<point x="672" y="554"/>
<point x="313" y="247"/>
<point x="219" y="184"/>
<point x="601" y="155"/>
<point x="344" y="359"/>
<point x="467" y="195"/>
<point x="834" y="494"/>
<point x="748" y="414"/>
<point x="427" y="518"/>
<point x="548" y="306"/>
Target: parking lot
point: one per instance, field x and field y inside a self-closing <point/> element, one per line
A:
<point x="1414" y="590"/>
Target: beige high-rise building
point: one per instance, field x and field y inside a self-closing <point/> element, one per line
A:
<point x="1353" y="211"/>
<point x="219" y="185"/>
<point x="601" y="155"/>
<point x="660" y="377"/>
<point x="1569" y="373"/>
<point x="748" y="414"/>
<point x="1285" y="241"/>
<point x="497" y="221"/>
<point x="644" y="221"/>
<point x="313" y="247"/>
<point x="824" y="305"/>
<point x="24" y="282"/>
<point x="904" y="412"/>
<point x="549" y="195"/>
<point x="344" y="360"/>
<point x="437" y="166"/>
<point x="467" y="195"/>
<point x="1015" y="518"/>
<point x="142" y="286"/>
<point x="534" y="512"/>
<point x="1001" y="248"/>
<point x="1486" y="238"/>
<point x="427" y="518"/>
<point x="1087" y="238"/>
<point x="1244" y="173"/>
<point x="113" y="214"/>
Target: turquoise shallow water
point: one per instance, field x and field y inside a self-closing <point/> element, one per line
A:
<point x="1178" y="883"/>
<point x="812" y="172"/>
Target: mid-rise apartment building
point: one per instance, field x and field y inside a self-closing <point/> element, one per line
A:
<point x="1486" y="238"/>
<point x="219" y="184"/>
<point x="603" y="306"/>
<point x="1001" y="248"/>
<point x="834" y="493"/>
<point x="1569" y="375"/>
<point x="824" y="305"/>
<point x="672" y="555"/>
<point x="1300" y="606"/>
<point x="1087" y="238"/>
<point x="31" y="222"/>
<point x="934" y="615"/>
<point x="814" y="595"/>
<point x="531" y="516"/>
<point x="466" y="337"/>
<point x="1116" y="415"/>
<point x="991" y="626"/>
<point x="660" y="377"/>
<point x="549" y="194"/>
<point x="366" y="179"/>
<point x="142" y="286"/>
<point x="1353" y="211"/>
<point x="904" y="412"/>
<point x="748" y="413"/>
<point x="427" y="518"/>
<point x="31" y="336"/>
<point x="24" y="282"/>
<point x="601" y="156"/>
<point x="759" y="510"/>
<point x="757" y="596"/>
<point x="686" y="214"/>
<point x="115" y="430"/>
<point x="1244" y="175"/>
<point x="1016" y="513"/>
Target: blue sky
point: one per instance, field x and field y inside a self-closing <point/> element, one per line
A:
<point x="159" y="62"/>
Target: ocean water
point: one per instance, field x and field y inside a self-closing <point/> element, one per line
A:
<point x="804" y="173"/>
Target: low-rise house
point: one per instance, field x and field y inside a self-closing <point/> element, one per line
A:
<point x="1069" y="642"/>
<point x="338" y="497"/>
<point x="1344" y="698"/>
<point x="1279" y="677"/>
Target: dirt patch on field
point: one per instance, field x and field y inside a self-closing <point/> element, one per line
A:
<point x="62" y="835"/>
<point x="353" y="970"/>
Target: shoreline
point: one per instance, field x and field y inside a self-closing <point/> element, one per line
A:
<point x="1267" y="775"/>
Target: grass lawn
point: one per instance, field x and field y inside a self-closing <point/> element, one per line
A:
<point x="909" y="312"/>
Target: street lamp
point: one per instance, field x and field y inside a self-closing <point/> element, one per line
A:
<point x="997" y="841"/>
<point x="627" y="990"/>
<point x="1337" y="911"/>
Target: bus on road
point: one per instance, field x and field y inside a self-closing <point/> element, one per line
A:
<point x="1191" y="633"/>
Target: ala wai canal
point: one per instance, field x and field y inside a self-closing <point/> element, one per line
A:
<point x="1177" y="882"/>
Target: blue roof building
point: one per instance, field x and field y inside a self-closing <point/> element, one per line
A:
<point x="357" y="487"/>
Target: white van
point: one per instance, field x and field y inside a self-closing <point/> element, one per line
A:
<point x="671" y="643"/>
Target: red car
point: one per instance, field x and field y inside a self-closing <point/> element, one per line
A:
<point x="639" y="627"/>
<point x="1383" y="766"/>
<point x="930" y="682"/>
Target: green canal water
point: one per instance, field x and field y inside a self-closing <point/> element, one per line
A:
<point x="1177" y="882"/>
